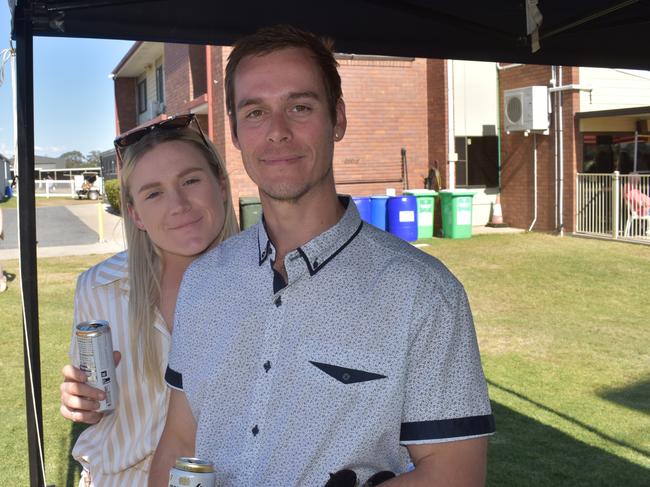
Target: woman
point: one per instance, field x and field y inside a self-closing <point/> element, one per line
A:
<point x="176" y="196"/>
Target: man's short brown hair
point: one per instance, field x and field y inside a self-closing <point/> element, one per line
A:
<point x="278" y="37"/>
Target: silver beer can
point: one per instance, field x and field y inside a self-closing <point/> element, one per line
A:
<point x="192" y="472"/>
<point x="96" y="359"/>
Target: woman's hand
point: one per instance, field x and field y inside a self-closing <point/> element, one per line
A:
<point x="79" y="401"/>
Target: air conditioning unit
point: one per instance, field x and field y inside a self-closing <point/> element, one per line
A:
<point x="526" y="109"/>
<point x="157" y="108"/>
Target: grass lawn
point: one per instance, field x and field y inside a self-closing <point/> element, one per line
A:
<point x="43" y="202"/>
<point x="563" y="326"/>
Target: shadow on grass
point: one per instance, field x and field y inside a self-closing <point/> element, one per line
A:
<point x="74" y="468"/>
<point x="527" y="452"/>
<point x="575" y="421"/>
<point x="635" y="396"/>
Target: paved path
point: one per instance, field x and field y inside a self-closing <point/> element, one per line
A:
<point x="66" y="230"/>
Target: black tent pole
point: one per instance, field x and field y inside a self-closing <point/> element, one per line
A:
<point x="27" y="218"/>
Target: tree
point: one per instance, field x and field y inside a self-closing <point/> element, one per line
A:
<point x="94" y="158"/>
<point x="73" y="158"/>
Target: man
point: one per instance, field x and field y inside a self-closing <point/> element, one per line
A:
<point x="314" y="342"/>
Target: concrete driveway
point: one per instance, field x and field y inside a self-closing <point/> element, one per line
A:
<point x="67" y="230"/>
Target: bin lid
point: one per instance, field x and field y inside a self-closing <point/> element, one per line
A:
<point x="421" y="192"/>
<point x="457" y="192"/>
<point x="249" y="200"/>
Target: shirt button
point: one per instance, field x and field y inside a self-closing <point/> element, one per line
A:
<point x="255" y="430"/>
<point x="345" y="377"/>
<point x="267" y="365"/>
<point x="278" y="301"/>
<point x="315" y="263"/>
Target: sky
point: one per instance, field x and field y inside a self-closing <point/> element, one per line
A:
<point x="74" y="106"/>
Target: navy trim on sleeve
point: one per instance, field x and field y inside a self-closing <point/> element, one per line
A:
<point x="174" y="379"/>
<point x="447" y="428"/>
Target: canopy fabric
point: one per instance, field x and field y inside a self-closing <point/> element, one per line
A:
<point x="611" y="33"/>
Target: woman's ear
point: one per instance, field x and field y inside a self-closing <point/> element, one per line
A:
<point x="135" y="217"/>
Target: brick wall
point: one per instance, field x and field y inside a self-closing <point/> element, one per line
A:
<point x="198" y="75"/>
<point x="125" y="104"/>
<point x="240" y="183"/>
<point x="386" y="105"/>
<point x="177" y="78"/>
<point x="517" y="156"/>
<point x="437" y="130"/>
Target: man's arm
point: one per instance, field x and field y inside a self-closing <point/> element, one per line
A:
<point x="177" y="439"/>
<point x="460" y="463"/>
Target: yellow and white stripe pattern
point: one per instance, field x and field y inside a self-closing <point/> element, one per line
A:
<point x="118" y="450"/>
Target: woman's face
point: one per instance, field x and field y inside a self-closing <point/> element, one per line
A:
<point x="177" y="199"/>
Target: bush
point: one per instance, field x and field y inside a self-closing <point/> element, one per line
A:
<point x="112" y="189"/>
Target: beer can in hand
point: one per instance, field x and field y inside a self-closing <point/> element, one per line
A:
<point x="192" y="472"/>
<point x="96" y="359"/>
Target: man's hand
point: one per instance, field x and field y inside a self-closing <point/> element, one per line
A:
<point x="79" y="401"/>
<point x="177" y="439"/>
<point x="461" y="463"/>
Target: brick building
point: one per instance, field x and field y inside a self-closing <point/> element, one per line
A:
<point x="394" y="103"/>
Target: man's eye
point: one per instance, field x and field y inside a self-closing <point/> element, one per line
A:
<point x="254" y="114"/>
<point x="152" y="195"/>
<point x="191" y="181"/>
<point x="300" y="108"/>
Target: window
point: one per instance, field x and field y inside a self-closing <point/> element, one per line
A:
<point x="142" y="96"/>
<point x="478" y="161"/>
<point x="160" y="87"/>
<point x="604" y="154"/>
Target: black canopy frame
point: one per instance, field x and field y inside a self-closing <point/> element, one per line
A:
<point x="607" y="33"/>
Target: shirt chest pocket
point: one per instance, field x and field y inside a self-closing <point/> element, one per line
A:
<point x="335" y="366"/>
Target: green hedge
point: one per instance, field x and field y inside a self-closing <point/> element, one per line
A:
<point x="112" y="189"/>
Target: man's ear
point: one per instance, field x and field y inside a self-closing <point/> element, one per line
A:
<point x="341" y="120"/>
<point x="135" y="218"/>
<point x="233" y="130"/>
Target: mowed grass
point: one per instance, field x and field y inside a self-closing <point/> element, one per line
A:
<point x="56" y="284"/>
<point x="564" y="330"/>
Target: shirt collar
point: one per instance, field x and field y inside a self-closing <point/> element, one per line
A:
<point x="115" y="269"/>
<point x="320" y="250"/>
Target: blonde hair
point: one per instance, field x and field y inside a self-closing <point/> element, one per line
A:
<point x="144" y="259"/>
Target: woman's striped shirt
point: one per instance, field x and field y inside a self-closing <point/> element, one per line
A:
<point x="118" y="450"/>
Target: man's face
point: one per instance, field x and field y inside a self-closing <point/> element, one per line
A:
<point x="283" y="125"/>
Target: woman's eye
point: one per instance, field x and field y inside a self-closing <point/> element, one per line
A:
<point x="152" y="195"/>
<point x="191" y="181"/>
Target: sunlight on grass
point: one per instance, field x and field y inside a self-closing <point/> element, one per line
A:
<point x="565" y="342"/>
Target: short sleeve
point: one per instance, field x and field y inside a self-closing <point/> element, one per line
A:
<point x="446" y="393"/>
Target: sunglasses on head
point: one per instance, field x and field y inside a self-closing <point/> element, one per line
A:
<point x="172" y="123"/>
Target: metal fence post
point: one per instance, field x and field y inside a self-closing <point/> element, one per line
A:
<point x="615" y="203"/>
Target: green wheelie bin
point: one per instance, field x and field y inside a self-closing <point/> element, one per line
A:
<point x="456" y="213"/>
<point x="250" y="211"/>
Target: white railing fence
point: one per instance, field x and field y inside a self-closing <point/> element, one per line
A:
<point x="613" y="206"/>
<point x="54" y="188"/>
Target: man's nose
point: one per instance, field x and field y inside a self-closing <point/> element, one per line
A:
<point x="279" y="128"/>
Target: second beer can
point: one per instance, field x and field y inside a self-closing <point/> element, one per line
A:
<point x="96" y="359"/>
<point x="192" y="472"/>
